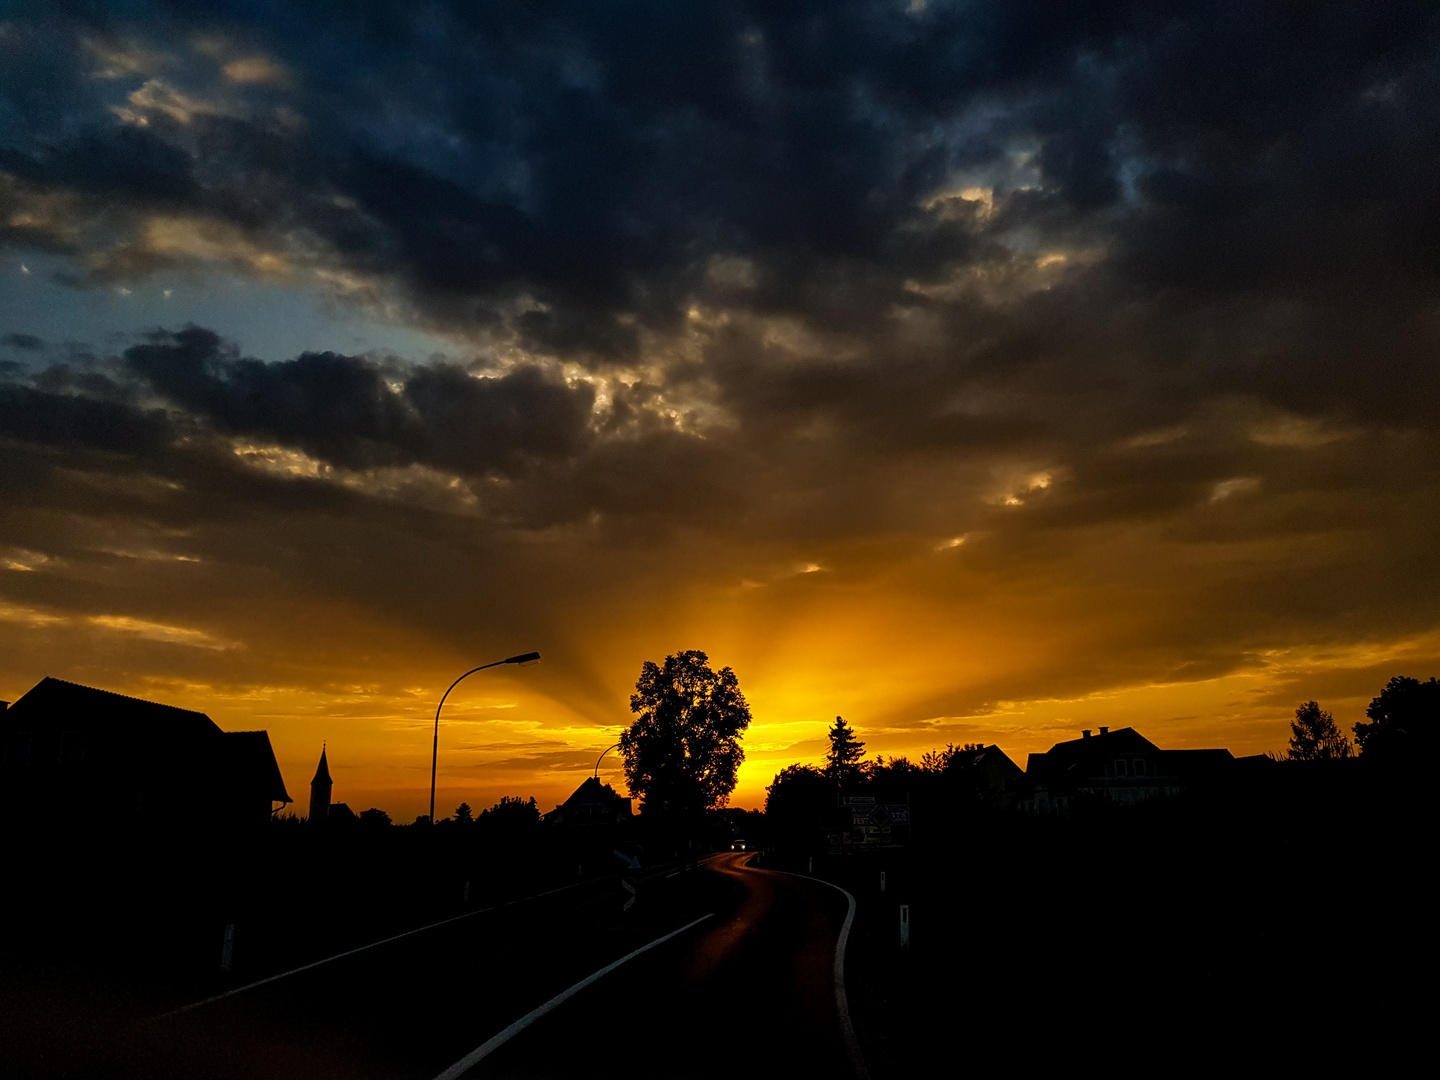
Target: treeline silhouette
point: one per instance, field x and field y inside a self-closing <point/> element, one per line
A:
<point x="149" y="908"/>
<point x="1186" y="928"/>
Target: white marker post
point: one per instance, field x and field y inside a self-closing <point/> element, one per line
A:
<point x="227" y="949"/>
<point x="882" y="881"/>
<point x="810" y="869"/>
<point x="904" y="926"/>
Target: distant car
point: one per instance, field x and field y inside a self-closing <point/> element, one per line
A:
<point x="737" y="845"/>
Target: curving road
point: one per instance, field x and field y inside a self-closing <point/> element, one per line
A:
<point x="761" y="973"/>
<point x="713" y="971"/>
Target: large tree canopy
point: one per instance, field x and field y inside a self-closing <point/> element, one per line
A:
<point x="1403" y="719"/>
<point x="683" y="750"/>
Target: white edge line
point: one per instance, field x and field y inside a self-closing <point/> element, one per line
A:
<point x="352" y="952"/>
<point x="842" y="1001"/>
<point x="485" y="1049"/>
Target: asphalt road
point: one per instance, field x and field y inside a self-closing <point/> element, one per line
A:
<point x="759" y="975"/>
<point x="756" y="970"/>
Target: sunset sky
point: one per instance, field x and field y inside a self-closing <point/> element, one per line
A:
<point x="977" y="371"/>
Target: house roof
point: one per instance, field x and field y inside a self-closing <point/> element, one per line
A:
<point x="592" y="793"/>
<point x="1083" y="756"/>
<point x="992" y="755"/>
<point x="181" y="747"/>
<point x="52" y="699"/>
<point x="590" y="800"/>
<point x="251" y="759"/>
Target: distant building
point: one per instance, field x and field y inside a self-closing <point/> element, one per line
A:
<point x="991" y="774"/>
<point x="592" y="803"/>
<point x="1117" y="766"/>
<point x="75" y="753"/>
<point x="320" y="790"/>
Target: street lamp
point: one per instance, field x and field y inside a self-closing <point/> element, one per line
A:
<point x="602" y="758"/>
<point x="523" y="658"/>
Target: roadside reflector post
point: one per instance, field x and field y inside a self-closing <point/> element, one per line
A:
<point x="904" y="926"/>
<point x="882" y="880"/>
<point x="810" y="868"/>
<point x="227" y="948"/>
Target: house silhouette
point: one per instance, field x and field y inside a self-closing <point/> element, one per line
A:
<point x="75" y="753"/>
<point x="1117" y="766"/>
<point x="592" y="803"/>
<point x="990" y="774"/>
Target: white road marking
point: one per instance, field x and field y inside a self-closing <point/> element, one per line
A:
<point x="360" y="949"/>
<point x="842" y="1001"/>
<point x="485" y="1049"/>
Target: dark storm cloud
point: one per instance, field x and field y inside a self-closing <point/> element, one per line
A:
<point x="478" y="155"/>
<point x="342" y="409"/>
<point x="71" y="420"/>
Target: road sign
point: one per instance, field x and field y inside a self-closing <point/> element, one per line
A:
<point x="871" y="826"/>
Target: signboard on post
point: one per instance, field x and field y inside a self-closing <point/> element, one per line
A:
<point x="871" y="826"/>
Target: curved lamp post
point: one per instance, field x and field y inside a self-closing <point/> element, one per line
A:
<point x="523" y="658"/>
<point x="602" y="758"/>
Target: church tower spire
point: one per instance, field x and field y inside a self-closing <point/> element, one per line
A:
<point x="320" y="790"/>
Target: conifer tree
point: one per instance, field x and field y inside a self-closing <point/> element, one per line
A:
<point x="842" y="763"/>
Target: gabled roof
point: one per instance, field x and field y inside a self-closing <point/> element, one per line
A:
<point x="73" y="703"/>
<point x="990" y="756"/>
<point x="251" y="760"/>
<point x="1081" y="757"/>
<point x="593" y="793"/>
<point x="1124" y="741"/>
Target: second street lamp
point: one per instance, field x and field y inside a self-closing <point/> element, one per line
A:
<point x="523" y="658"/>
<point x="602" y="758"/>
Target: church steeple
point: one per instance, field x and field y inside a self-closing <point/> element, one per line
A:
<point x="320" y="790"/>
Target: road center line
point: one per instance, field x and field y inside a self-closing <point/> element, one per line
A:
<point x="351" y="952"/>
<point x="485" y="1049"/>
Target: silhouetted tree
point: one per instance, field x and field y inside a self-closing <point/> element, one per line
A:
<point x="797" y="803"/>
<point x="683" y="750"/>
<point x="798" y="787"/>
<point x="941" y="761"/>
<point x="374" y="818"/>
<point x="464" y="815"/>
<point x="842" y="761"/>
<point x="512" y="811"/>
<point x="1403" y="720"/>
<point x="1314" y="736"/>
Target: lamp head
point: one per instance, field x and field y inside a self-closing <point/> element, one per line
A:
<point x="523" y="658"/>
